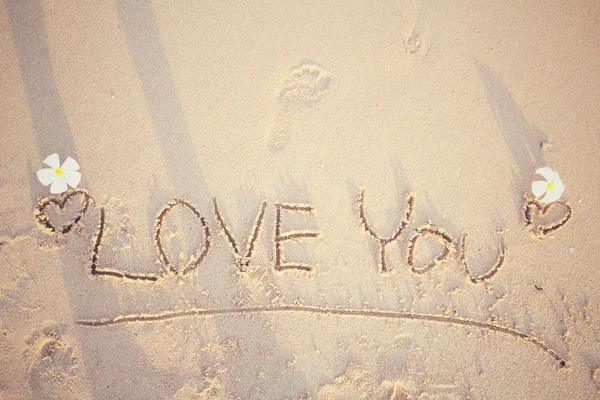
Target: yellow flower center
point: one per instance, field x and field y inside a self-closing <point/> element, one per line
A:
<point x="58" y="171"/>
<point x="550" y="185"/>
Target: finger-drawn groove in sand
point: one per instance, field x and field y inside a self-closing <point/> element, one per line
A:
<point x="201" y="312"/>
<point x="61" y="202"/>
<point x="112" y="272"/>
<point x="52" y="367"/>
<point x="441" y="236"/>
<point x="158" y="234"/>
<point x="540" y="231"/>
<point x="242" y="261"/>
<point x="279" y="237"/>
<point x="493" y="271"/>
<point x="383" y="242"/>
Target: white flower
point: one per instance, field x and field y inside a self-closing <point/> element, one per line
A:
<point x="59" y="176"/>
<point x="551" y="189"/>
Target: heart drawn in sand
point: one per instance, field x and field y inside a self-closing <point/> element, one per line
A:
<point x="63" y="205"/>
<point x="158" y="238"/>
<point x="543" y="210"/>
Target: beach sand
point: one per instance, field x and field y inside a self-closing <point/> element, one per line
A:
<point x="322" y="132"/>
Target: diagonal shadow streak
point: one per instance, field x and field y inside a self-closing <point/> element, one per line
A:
<point x="522" y="139"/>
<point x="53" y="134"/>
<point x="47" y="112"/>
<point x="140" y="30"/>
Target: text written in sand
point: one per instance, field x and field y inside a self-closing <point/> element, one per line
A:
<point x="532" y="211"/>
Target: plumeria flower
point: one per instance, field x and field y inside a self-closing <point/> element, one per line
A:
<point x="551" y="189"/>
<point x="59" y="175"/>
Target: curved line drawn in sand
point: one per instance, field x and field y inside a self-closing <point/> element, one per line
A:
<point x="52" y="367"/>
<point x="441" y="236"/>
<point x="383" y="242"/>
<point x="242" y="261"/>
<point x="540" y="231"/>
<point x="60" y="202"/>
<point x="499" y="261"/>
<point x="158" y="225"/>
<point x="280" y="237"/>
<point x="303" y="88"/>
<point x="201" y="312"/>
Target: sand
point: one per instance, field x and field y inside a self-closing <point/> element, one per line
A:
<point x="301" y="200"/>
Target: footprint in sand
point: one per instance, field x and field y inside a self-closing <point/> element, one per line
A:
<point x="52" y="367"/>
<point x="357" y="383"/>
<point x="302" y="89"/>
<point x="412" y="44"/>
<point x="305" y="86"/>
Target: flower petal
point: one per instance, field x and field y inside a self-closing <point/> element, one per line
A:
<point x="70" y="164"/>
<point x="558" y="182"/>
<point x="555" y="193"/>
<point x="546" y="172"/>
<point x="72" y="178"/>
<point x="59" y="185"/>
<point x="45" y="176"/>
<point x="538" y="188"/>
<point x="53" y="160"/>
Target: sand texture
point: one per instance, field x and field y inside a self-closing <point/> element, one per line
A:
<point x="300" y="200"/>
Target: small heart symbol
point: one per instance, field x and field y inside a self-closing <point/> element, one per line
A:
<point x="535" y="209"/>
<point x="60" y="202"/>
<point x="158" y="238"/>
